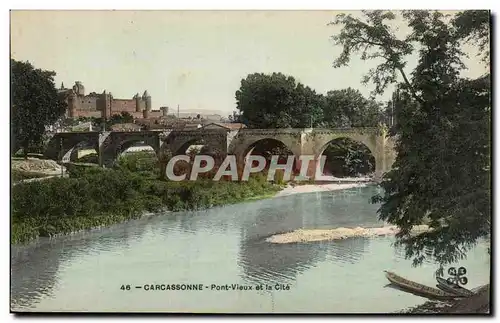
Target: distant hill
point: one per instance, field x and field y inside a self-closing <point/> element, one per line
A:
<point x="197" y="111"/>
<point x="215" y="115"/>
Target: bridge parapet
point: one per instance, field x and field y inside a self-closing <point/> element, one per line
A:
<point x="370" y="130"/>
<point x="274" y="131"/>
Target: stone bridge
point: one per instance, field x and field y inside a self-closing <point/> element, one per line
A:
<point x="110" y="145"/>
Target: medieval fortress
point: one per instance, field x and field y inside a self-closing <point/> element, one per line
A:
<point x="105" y="105"/>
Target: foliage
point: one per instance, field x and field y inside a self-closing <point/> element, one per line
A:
<point x="19" y="175"/>
<point x="97" y="197"/>
<point x="35" y="104"/>
<point x="123" y="117"/>
<point x="235" y="117"/>
<point x="474" y="26"/>
<point x="92" y="158"/>
<point x="277" y="101"/>
<point x="163" y="158"/>
<point x="442" y="171"/>
<point x="79" y="169"/>
<point x="138" y="162"/>
<point x="349" y="108"/>
<point x="345" y="157"/>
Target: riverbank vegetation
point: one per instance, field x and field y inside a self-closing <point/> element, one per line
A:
<point x="19" y="175"/>
<point x="94" y="197"/>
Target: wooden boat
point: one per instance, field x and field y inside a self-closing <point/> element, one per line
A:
<point x="418" y="289"/>
<point x="455" y="289"/>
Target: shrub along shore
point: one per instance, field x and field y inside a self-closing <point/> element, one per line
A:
<point x="95" y="197"/>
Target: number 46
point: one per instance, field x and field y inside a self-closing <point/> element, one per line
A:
<point x="125" y="287"/>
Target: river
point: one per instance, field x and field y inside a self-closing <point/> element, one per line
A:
<point x="226" y="245"/>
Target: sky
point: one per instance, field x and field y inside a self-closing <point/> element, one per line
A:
<point x="194" y="59"/>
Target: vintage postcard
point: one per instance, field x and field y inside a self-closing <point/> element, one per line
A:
<point x="333" y="162"/>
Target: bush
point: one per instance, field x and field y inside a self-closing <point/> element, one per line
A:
<point x="19" y="175"/>
<point x="79" y="170"/>
<point x="94" y="196"/>
<point x="138" y="161"/>
<point x="90" y="158"/>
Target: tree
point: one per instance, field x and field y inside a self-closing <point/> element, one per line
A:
<point x="123" y="117"/>
<point x="235" y="117"/>
<point x="163" y="158"/>
<point x="35" y="104"/>
<point x="346" y="157"/>
<point x="127" y="117"/>
<point x="442" y="170"/>
<point x="349" y="108"/>
<point x="473" y="26"/>
<point x="277" y="101"/>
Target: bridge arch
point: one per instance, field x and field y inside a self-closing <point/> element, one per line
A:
<point x="245" y="140"/>
<point x="342" y="149"/>
<point x="206" y="145"/>
<point x="369" y="137"/>
<point x="73" y="154"/>
<point x="177" y="142"/>
<point x="118" y="142"/>
<point x="267" y="147"/>
<point x="323" y="140"/>
<point x="125" y="145"/>
<point x="136" y="155"/>
<point x="65" y="145"/>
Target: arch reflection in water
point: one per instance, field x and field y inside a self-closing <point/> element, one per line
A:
<point x="264" y="262"/>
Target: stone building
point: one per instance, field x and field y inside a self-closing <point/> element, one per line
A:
<point x="105" y="105"/>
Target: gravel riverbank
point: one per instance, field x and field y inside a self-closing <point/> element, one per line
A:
<point x="311" y="235"/>
<point x="291" y="189"/>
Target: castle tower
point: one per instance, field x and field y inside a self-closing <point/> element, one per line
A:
<point x="79" y="88"/>
<point x="147" y="98"/>
<point x="105" y="105"/>
<point x="138" y="107"/>
<point x="165" y="111"/>
<point x="73" y="104"/>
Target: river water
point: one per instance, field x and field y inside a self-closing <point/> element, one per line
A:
<point x="226" y="245"/>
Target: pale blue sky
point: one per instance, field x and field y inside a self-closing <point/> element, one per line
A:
<point x="192" y="58"/>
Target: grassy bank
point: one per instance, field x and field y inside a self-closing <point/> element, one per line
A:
<point x="96" y="197"/>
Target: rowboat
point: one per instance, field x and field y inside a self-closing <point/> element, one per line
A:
<point x="455" y="289"/>
<point x="417" y="288"/>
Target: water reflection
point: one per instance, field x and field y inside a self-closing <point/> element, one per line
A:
<point x="224" y="245"/>
<point x="36" y="267"/>
<point x="348" y="251"/>
<point x="281" y="263"/>
<point x="33" y="274"/>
